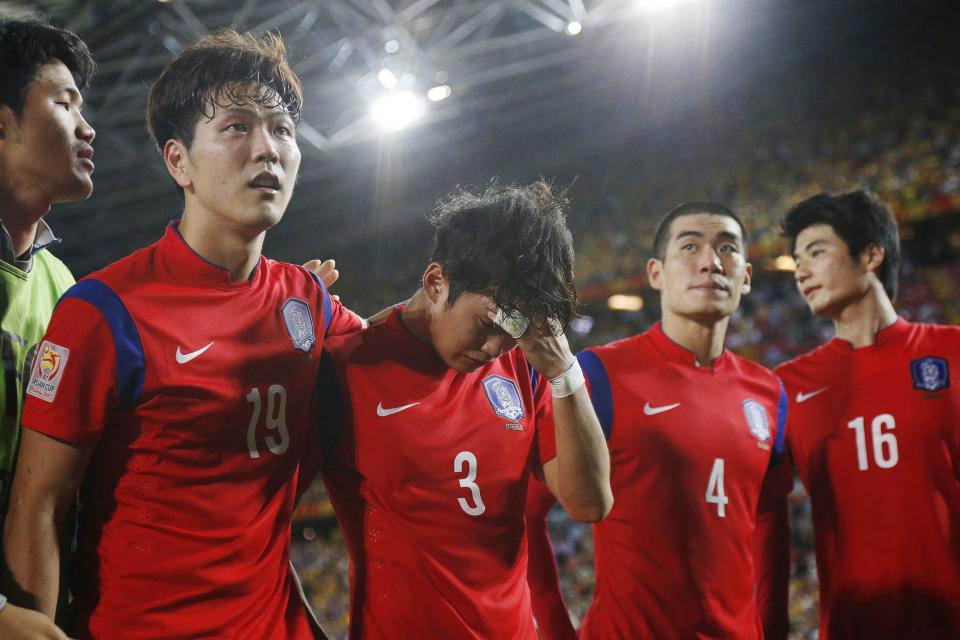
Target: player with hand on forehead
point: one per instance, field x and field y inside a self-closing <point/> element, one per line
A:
<point x="874" y="431"/>
<point x="446" y="409"/>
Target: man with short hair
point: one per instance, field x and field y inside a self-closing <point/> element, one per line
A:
<point x="695" y="436"/>
<point x="873" y="431"/>
<point x="178" y="382"/>
<point x="442" y="421"/>
<point x="46" y="158"/>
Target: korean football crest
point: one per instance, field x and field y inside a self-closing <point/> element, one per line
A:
<point x="757" y="420"/>
<point x="930" y="373"/>
<point x="299" y="323"/>
<point x="504" y="397"/>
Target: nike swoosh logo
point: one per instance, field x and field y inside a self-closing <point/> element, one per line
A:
<point x="803" y="397"/>
<point x="652" y="411"/>
<point x="184" y="358"/>
<point x="389" y="412"/>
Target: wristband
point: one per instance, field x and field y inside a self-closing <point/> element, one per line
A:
<point x="568" y="382"/>
<point x="3" y="601"/>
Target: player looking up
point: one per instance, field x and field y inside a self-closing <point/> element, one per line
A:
<point x="695" y="435"/>
<point x="873" y="431"/>
<point x="177" y="383"/>
<point x="443" y="420"/>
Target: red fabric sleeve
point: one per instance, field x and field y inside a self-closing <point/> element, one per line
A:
<point x="553" y="620"/>
<point x="772" y="550"/>
<point x="84" y="394"/>
<point x="342" y="320"/>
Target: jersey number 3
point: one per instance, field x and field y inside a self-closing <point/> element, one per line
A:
<point x="467" y="458"/>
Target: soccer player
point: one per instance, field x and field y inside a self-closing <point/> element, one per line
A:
<point x="178" y="383"/>
<point x="874" y="431"/>
<point x="46" y="158"/>
<point x="695" y="435"/>
<point x="443" y="420"/>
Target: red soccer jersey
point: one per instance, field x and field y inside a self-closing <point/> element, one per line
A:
<point x="195" y="395"/>
<point x="875" y="439"/>
<point x="690" y="450"/>
<point x="429" y="478"/>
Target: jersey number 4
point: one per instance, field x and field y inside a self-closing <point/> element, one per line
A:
<point x="715" y="494"/>
<point x="885" y="451"/>
<point x="276" y="420"/>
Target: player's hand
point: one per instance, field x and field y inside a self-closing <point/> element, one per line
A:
<point x="326" y="270"/>
<point x="549" y="354"/>
<point x="17" y="623"/>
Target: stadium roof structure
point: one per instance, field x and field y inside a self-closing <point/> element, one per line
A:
<point x="533" y="86"/>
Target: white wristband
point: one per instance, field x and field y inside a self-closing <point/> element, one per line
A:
<point x="568" y="382"/>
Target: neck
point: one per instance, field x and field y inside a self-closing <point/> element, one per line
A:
<point x="20" y="217"/>
<point x="416" y="317"/>
<point x="704" y="338"/>
<point x="859" y="322"/>
<point x="235" y="250"/>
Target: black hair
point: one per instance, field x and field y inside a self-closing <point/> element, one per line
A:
<point x="513" y="241"/>
<point x="25" y="46"/>
<point x="860" y="219"/>
<point x="692" y="208"/>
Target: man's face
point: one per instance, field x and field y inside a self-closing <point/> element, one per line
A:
<point x="463" y="335"/>
<point x="827" y="276"/>
<point x="704" y="271"/>
<point x="242" y="165"/>
<point x="48" y="149"/>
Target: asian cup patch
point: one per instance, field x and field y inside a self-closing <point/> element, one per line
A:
<point x="47" y="371"/>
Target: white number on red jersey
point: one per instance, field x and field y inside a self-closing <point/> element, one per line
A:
<point x="885" y="451"/>
<point x="276" y="420"/>
<point x="468" y="483"/>
<point x="715" y="494"/>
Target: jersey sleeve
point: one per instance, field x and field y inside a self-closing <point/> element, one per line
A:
<point x="337" y="319"/>
<point x="549" y="610"/>
<point x="598" y="385"/>
<point x="89" y="365"/>
<point x="543" y="416"/>
<point x="772" y="533"/>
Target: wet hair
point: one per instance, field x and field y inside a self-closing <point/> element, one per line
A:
<point x="27" y="45"/>
<point x="513" y="241"/>
<point x="217" y="71"/>
<point x="692" y="208"/>
<point x="860" y="219"/>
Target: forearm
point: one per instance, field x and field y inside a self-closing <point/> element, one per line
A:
<point x="33" y="558"/>
<point x="582" y="482"/>
<point x="772" y="551"/>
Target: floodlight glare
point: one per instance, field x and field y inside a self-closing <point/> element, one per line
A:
<point x="623" y="302"/>
<point x="387" y="78"/>
<point x="574" y="27"/>
<point x="439" y="92"/>
<point x="397" y="110"/>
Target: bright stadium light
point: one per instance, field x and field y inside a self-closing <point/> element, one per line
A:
<point x="574" y="27"/>
<point x="387" y="78"/>
<point x="622" y="302"/>
<point x="660" y="5"/>
<point x="784" y="263"/>
<point x="439" y="92"/>
<point x="397" y="110"/>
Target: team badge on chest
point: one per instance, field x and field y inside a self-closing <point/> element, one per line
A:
<point x="299" y="323"/>
<point x="756" y="417"/>
<point x="504" y="397"/>
<point x="930" y="373"/>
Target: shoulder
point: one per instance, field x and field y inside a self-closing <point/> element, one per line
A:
<point x="935" y="333"/>
<point x="813" y="359"/>
<point x="127" y="273"/>
<point x="754" y="370"/>
<point x="612" y="353"/>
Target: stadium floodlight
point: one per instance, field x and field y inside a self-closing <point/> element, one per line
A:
<point x="659" y="5"/>
<point x="439" y="92"/>
<point x="574" y="27"/>
<point x="386" y="78"/>
<point x="622" y="302"/>
<point x="397" y="110"/>
<point x="784" y="263"/>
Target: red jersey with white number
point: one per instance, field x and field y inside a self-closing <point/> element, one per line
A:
<point x="690" y="449"/>
<point x="195" y="395"/>
<point x="875" y="439"/>
<point x="429" y="478"/>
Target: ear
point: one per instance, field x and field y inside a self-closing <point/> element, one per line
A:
<point x="435" y="282"/>
<point x="178" y="162"/>
<point x="747" y="279"/>
<point x="655" y="273"/>
<point x="872" y="257"/>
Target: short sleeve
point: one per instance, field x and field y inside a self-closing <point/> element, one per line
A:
<point x="598" y="385"/>
<point x="72" y="391"/>
<point x="337" y="319"/>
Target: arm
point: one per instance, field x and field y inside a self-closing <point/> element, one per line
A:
<point x="23" y="624"/>
<point x="48" y="475"/>
<point x="772" y="552"/>
<point x="579" y="475"/>
<point x="549" y="610"/>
